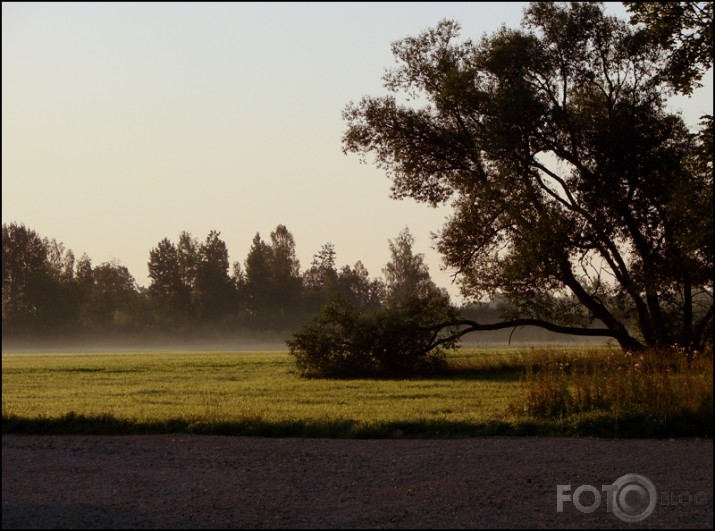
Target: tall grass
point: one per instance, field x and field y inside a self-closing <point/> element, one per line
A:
<point x="656" y="388"/>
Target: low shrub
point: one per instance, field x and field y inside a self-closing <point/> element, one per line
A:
<point x="402" y="339"/>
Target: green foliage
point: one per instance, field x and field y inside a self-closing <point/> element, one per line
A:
<point x="405" y="338"/>
<point x="323" y="282"/>
<point x="406" y="274"/>
<point x="320" y="281"/>
<point x="169" y="294"/>
<point x="214" y="288"/>
<point x="112" y="302"/>
<point x="24" y="275"/>
<point x="272" y="286"/>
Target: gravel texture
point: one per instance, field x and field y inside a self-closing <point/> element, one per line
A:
<point x="195" y="481"/>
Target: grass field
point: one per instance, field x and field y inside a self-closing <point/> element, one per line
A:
<point x="260" y="393"/>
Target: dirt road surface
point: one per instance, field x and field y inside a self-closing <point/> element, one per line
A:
<point x="195" y="481"/>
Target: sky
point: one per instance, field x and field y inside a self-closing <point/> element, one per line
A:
<point x="127" y="123"/>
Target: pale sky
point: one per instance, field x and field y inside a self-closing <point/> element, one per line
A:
<point x="125" y="123"/>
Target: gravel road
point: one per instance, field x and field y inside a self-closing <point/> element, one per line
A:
<point x="195" y="481"/>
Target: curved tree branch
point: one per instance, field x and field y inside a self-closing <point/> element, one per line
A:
<point x="473" y="326"/>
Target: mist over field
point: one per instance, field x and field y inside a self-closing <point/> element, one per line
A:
<point x="114" y="343"/>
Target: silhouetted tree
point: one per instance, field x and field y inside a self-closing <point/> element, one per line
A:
<point x="25" y="279"/>
<point x="58" y="308"/>
<point x="24" y="260"/>
<point x="111" y="298"/>
<point x="170" y="296"/>
<point x="406" y="274"/>
<point x="188" y="254"/>
<point x="271" y="284"/>
<point x="356" y="287"/>
<point x="257" y="279"/>
<point x="286" y="284"/>
<point x="85" y="273"/>
<point x="554" y="146"/>
<point x="215" y="291"/>
<point x="320" y="280"/>
<point x="238" y="277"/>
<point x="60" y="261"/>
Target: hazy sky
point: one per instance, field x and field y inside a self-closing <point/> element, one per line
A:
<point x="125" y="123"/>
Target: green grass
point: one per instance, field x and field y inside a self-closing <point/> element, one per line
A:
<point x="261" y="393"/>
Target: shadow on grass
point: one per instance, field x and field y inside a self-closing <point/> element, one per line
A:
<point x="640" y="426"/>
<point x="491" y="374"/>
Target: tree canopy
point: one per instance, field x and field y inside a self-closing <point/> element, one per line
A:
<point x="566" y="173"/>
<point x="685" y="29"/>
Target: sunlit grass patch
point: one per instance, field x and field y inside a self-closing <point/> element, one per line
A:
<point x="482" y="392"/>
<point x="233" y="388"/>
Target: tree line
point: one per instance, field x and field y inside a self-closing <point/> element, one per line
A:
<point x="194" y="291"/>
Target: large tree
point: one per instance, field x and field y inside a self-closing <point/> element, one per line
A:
<point x="24" y="262"/>
<point x="568" y="177"/>
<point x="271" y="282"/>
<point x="406" y="274"/>
<point x="187" y="251"/>
<point x="214" y="289"/>
<point x="256" y="287"/>
<point x="355" y="285"/>
<point x="169" y="293"/>
<point x="25" y="276"/>
<point x="286" y="284"/>
<point x="320" y="281"/>
<point x="110" y="297"/>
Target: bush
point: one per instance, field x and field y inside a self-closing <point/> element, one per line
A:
<point x="403" y="339"/>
